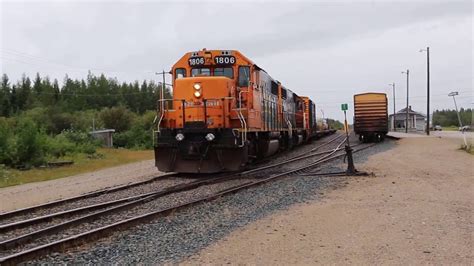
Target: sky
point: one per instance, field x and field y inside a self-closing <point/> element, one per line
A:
<point x="328" y="50"/>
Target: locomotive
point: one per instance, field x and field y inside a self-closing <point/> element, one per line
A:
<point x="226" y="112"/>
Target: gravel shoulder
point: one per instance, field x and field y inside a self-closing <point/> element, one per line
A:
<point x="417" y="209"/>
<point x="30" y="194"/>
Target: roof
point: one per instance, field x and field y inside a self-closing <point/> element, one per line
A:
<point x="102" y="131"/>
<point x="410" y="111"/>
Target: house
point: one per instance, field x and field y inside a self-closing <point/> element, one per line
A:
<point x="416" y="120"/>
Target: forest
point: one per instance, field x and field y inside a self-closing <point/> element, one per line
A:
<point x="449" y="118"/>
<point x="41" y="120"/>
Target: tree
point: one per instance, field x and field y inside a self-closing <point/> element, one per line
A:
<point x="24" y="99"/>
<point x="5" y="96"/>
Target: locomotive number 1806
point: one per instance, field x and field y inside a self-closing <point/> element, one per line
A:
<point x="224" y="60"/>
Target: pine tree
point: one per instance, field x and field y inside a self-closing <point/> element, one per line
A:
<point x="5" y="96"/>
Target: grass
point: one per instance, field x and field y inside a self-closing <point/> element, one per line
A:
<point x="469" y="149"/>
<point x="451" y="128"/>
<point x="82" y="164"/>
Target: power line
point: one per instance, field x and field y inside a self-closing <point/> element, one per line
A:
<point x="36" y="60"/>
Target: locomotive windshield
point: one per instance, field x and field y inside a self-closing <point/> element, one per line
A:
<point x="224" y="71"/>
<point x="218" y="71"/>
<point x="200" y="72"/>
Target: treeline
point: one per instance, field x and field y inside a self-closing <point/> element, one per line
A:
<point x="41" y="120"/>
<point x="95" y="92"/>
<point x="448" y="118"/>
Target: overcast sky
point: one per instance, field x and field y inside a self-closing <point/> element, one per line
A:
<point x="326" y="50"/>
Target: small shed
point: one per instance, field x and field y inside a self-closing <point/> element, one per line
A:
<point x="104" y="135"/>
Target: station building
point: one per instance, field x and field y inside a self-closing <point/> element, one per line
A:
<point x="416" y="120"/>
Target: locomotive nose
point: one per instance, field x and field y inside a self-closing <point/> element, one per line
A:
<point x="199" y="88"/>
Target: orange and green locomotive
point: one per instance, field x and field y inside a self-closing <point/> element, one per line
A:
<point x="226" y="112"/>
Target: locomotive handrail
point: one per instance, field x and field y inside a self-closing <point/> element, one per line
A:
<point x="242" y="119"/>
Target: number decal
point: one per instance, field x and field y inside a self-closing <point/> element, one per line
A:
<point x="196" y="61"/>
<point x="224" y="60"/>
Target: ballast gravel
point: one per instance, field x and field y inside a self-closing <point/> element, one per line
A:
<point x="176" y="237"/>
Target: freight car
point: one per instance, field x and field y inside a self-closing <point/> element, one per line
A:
<point x="370" y="116"/>
<point x="226" y="112"/>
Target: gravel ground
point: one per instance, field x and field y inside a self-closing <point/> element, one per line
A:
<point x="173" y="238"/>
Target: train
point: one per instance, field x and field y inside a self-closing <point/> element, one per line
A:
<point x="371" y="116"/>
<point x="227" y="112"/>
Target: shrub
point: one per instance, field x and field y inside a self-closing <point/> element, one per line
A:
<point x="29" y="144"/>
<point x="118" y="118"/>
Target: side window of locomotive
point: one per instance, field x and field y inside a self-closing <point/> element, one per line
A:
<point x="200" y="72"/>
<point x="274" y="88"/>
<point x="180" y="73"/>
<point x="244" y="76"/>
<point x="283" y="93"/>
<point x="224" y="71"/>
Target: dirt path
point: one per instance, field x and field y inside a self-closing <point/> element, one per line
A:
<point x="30" y="194"/>
<point x="418" y="209"/>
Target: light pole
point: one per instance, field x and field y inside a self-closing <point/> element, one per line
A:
<point x="406" y="118"/>
<point x="427" y="89"/>
<point x="394" y="109"/>
<point x="453" y="94"/>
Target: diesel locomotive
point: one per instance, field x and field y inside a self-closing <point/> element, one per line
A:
<point x="226" y="112"/>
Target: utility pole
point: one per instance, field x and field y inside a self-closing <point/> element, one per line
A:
<point x="406" y="119"/>
<point x="453" y="94"/>
<point x="394" y="109"/>
<point x="427" y="89"/>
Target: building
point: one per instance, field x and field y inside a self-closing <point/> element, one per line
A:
<point x="416" y="120"/>
<point x="105" y="136"/>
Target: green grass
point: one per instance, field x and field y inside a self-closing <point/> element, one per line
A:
<point x="82" y="164"/>
<point x="451" y="128"/>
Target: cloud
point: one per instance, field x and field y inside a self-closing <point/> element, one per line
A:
<point x="328" y="50"/>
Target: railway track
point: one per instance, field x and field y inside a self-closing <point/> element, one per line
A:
<point x="34" y="237"/>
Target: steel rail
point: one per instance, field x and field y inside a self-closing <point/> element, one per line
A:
<point x="96" y="193"/>
<point x="16" y="241"/>
<point x="102" y="231"/>
<point x="49" y="217"/>
<point x="83" y="196"/>
<point x="297" y="158"/>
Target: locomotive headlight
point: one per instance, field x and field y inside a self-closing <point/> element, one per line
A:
<point x="197" y="86"/>
<point x="179" y="137"/>
<point x="197" y="94"/>
<point x="210" y="137"/>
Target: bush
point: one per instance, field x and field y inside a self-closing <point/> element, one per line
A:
<point x="28" y="146"/>
<point x="139" y="135"/>
<point x="118" y="118"/>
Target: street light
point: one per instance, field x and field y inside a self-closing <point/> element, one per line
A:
<point x="427" y="50"/>
<point x="406" y="119"/>
<point x="453" y="94"/>
<point x="394" y="110"/>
